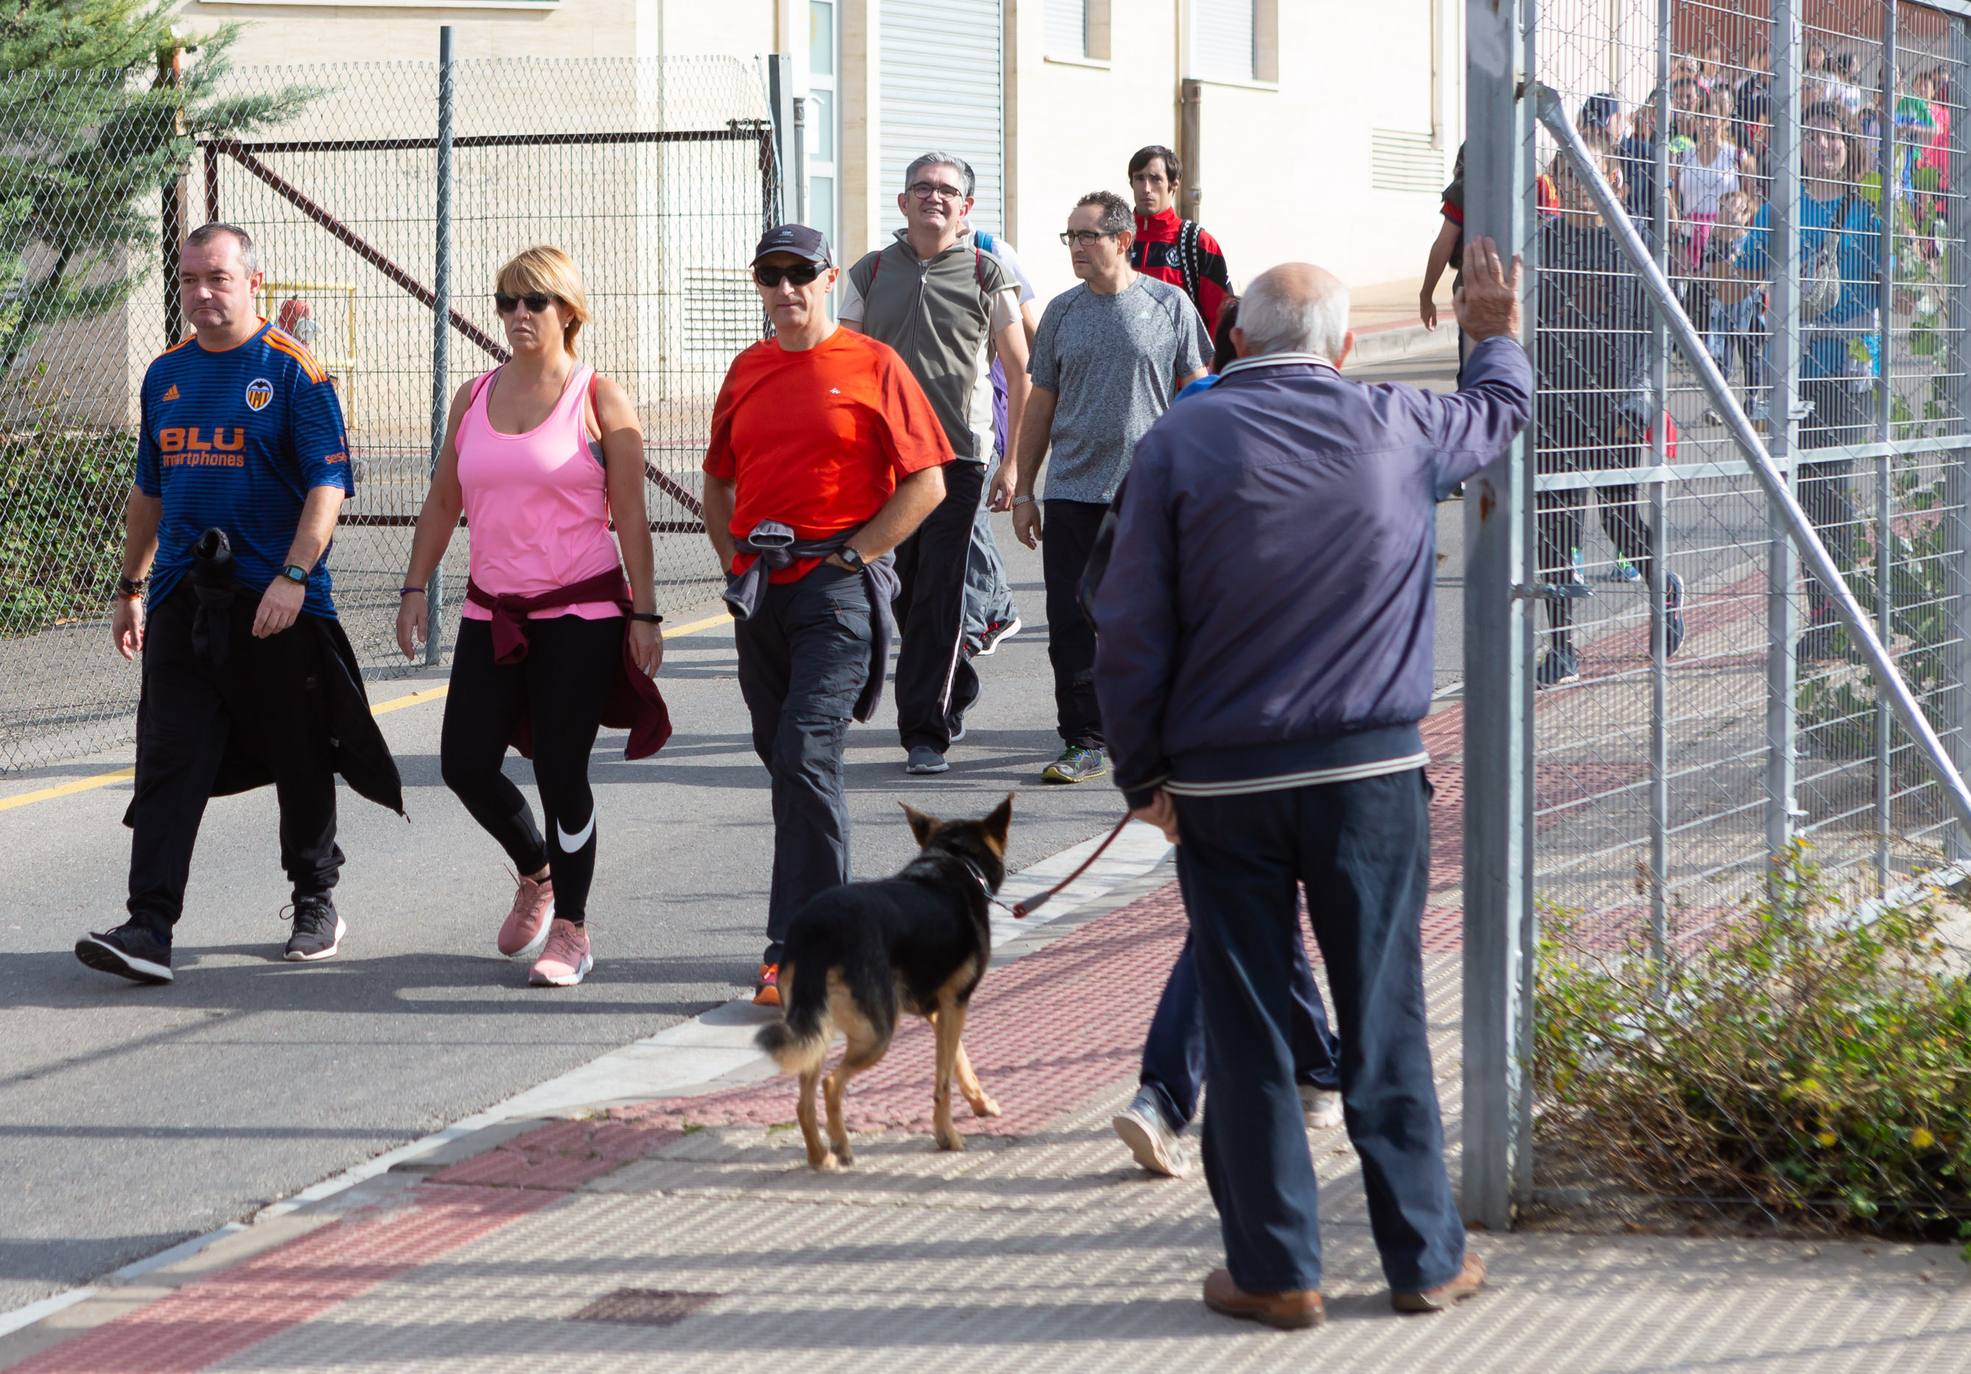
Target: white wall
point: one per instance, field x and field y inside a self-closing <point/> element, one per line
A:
<point x="1285" y="168"/>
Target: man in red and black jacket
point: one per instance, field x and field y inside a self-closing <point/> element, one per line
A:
<point x="1168" y="247"/>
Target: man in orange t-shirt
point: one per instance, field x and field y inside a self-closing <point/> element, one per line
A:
<point x="825" y="454"/>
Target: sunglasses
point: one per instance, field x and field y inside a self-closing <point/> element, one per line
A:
<point x="536" y="301"/>
<point x="800" y="274"/>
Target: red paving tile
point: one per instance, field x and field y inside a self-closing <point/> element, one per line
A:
<point x="238" y="1308"/>
<point x="560" y="1157"/>
<point x="1044" y="1034"/>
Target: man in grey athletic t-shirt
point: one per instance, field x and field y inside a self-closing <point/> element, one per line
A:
<point x="1109" y="356"/>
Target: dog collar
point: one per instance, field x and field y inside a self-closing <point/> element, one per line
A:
<point x="979" y="877"/>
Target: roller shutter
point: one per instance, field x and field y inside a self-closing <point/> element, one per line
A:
<point x="941" y="90"/>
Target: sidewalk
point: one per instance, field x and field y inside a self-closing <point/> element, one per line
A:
<point x="687" y="1233"/>
<point x="1387" y="330"/>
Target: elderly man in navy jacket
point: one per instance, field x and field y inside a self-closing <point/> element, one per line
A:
<point x="1263" y="658"/>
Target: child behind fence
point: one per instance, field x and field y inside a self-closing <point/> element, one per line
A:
<point x="1734" y="328"/>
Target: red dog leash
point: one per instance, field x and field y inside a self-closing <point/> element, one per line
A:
<point x="1033" y="904"/>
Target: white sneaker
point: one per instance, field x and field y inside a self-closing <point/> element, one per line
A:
<point x="1323" y="1108"/>
<point x="1149" y="1137"/>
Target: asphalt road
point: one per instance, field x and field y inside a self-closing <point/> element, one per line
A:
<point x="132" y="1118"/>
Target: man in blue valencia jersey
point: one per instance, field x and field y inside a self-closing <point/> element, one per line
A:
<point x="242" y="467"/>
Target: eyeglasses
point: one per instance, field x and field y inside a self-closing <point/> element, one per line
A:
<point x="536" y="301"/>
<point x="1082" y="236"/>
<point x="926" y="190"/>
<point x="801" y="273"/>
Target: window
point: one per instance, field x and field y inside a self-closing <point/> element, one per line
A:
<point x="1225" y="39"/>
<point x="1067" y="28"/>
<point x="1078" y="30"/>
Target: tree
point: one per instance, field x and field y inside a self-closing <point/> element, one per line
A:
<point x="91" y="131"/>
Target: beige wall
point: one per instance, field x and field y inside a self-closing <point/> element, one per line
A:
<point x="1285" y="167"/>
<point x="288" y="34"/>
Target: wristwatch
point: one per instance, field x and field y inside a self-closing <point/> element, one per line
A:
<point x="296" y="574"/>
<point x="849" y="556"/>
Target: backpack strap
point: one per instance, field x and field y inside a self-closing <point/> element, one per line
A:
<point x="595" y="408"/>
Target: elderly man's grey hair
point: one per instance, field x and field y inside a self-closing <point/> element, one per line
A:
<point x="936" y="159"/>
<point x="1295" y="308"/>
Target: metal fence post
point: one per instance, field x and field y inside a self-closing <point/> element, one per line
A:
<point x="1782" y="806"/>
<point x="171" y="76"/>
<point x="441" y="332"/>
<point x="1498" y="876"/>
<point x="1659" y="544"/>
<point x="1957" y="481"/>
<point x="780" y="101"/>
<point x="1885" y="537"/>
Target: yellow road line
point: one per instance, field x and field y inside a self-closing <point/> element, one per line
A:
<point x="68" y="788"/>
<point x="708" y="623"/>
<point x="381" y="708"/>
<point x="384" y="708"/>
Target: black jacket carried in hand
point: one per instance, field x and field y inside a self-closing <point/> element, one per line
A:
<point x="222" y="621"/>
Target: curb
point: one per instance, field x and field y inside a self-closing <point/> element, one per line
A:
<point x="1397" y="343"/>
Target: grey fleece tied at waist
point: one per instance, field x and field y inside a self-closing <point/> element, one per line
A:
<point x="778" y="547"/>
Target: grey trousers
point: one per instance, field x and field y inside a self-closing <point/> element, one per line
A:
<point x="988" y="595"/>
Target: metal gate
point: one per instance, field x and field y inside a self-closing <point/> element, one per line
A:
<point x="1744" y="234"/>
<point x="657" y="176"/>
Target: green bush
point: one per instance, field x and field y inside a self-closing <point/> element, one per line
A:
<point x="61" y="524"/>
<point x="1801" y="1062"/>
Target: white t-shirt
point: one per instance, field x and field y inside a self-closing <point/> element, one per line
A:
<point x="1009" y="259"/>
<point x="1701" y="186"/>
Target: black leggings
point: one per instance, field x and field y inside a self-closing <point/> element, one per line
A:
<point x="562" y="684"/>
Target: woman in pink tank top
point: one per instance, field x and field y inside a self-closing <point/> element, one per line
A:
<point x="538" y="453"/>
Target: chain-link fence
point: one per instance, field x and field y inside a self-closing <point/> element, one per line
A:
<point x="657" y="176"/>
<point x="1700" y="716"/>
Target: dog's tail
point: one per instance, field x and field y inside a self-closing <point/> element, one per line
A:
<point x="798" y="1041"/>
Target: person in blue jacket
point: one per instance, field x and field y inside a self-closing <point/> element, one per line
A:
<point x="1166" y="1099"/>
<point x="1263" y="708"/>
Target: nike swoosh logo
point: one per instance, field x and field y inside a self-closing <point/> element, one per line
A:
<point x="571" y="844"/>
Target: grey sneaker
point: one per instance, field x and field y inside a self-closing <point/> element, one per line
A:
<point x="1149" y="1137"/>
<point x="132" y="950"/>
<point x="996" y="634"/>
<point x="924" y="759"/>
<point x="1076" y="764"/>
<point x="318" y="931"/>
<point x="1321" y="1107"/>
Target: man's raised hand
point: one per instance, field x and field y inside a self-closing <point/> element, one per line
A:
<point x="1488" y="297"/>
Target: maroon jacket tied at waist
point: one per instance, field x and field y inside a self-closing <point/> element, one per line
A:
<point x="634" y="702"/>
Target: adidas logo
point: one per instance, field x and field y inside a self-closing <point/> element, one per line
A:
<point x="170" y="393"/>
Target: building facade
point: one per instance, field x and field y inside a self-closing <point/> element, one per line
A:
<point x="1316" y="129"/>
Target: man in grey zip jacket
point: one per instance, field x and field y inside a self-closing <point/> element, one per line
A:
<point x="1263" y="657"/>
<point x="939" y="300"/>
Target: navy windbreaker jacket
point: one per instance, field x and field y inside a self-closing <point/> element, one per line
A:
<point x="1267" y="610"/>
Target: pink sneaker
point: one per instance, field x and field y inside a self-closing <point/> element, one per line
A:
<point x="566" y="960"/>
<point x="526" y="926"/>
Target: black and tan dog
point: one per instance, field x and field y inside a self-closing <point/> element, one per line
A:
<point x="858" y="955"/>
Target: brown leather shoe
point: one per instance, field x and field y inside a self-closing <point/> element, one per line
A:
<point x="1289" y="1311"/>
<point x="1469" y="1280"/>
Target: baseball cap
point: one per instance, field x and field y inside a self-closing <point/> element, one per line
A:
<point x="799" y="240"/>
